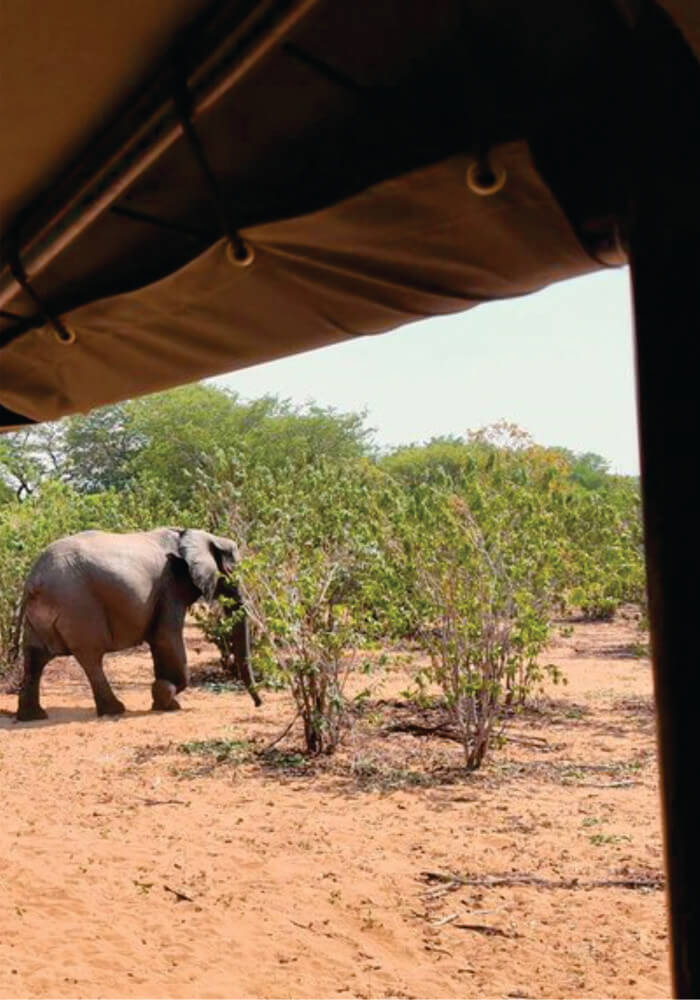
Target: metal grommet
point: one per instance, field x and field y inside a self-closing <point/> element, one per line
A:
<point x="65" y="334"/>
<point x="484" y="179"/>
<point x="236" y="258"/>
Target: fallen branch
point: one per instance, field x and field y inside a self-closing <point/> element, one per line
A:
<point x="445" y="920"/>
<point x="446" y="733"/>
<point x="440" y="951"/>
<point x="493" y="881"/>
<point x="279" y="738"/>
<point x="439" y="893"/>
<point x="535" y="742"/>
<point x="180" y="896"/>
<point x="484" y="929"/>
<point x="162" y="802"/>
<point x="416" y="729"/>
<point x="596" y="784"/>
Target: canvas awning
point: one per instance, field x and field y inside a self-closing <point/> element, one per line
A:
<point x="336" y="138"/>
<point x="189" y="187"/>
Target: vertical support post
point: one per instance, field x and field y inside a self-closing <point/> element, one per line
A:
<point x="664" y="239"/>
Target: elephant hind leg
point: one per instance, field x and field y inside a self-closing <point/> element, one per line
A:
<point x="106" y="702"/>
<point x="29" y="707"/>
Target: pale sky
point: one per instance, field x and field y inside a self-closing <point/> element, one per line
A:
<point x="559" y="363"/>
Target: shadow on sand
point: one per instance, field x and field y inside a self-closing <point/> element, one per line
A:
<point x="61" y="715"/>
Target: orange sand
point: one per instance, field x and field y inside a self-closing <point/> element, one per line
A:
<point x="306" y="880"/>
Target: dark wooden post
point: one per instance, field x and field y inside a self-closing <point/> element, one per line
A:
<point x="664" y="237"/>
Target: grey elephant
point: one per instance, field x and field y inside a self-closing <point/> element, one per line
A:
<point x="96" y="592"/>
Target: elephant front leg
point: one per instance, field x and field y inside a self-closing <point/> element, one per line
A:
<point x="170" y="668"/>
<point x="164" y="699"/>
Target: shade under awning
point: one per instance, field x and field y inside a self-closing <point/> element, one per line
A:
<point x="334" y="139"/>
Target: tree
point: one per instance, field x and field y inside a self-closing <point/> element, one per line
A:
<point x="431" y="462"/>
<point x="587" y="469"/>
<point x="100" y="448"/>
<point x="30" y="457"/>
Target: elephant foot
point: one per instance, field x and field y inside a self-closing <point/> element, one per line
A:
<point x="30" y="713"/>
<point x="114" y="707"/>
<point x="164" y="697"/>
<point x="172" y="706"/>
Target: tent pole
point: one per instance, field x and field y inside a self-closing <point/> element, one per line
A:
<point x="664" y="241"/>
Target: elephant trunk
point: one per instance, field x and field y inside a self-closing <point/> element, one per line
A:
<point x="239" y="641"/>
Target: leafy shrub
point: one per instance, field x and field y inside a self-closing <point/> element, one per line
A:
<point x="482" y="605"/>
<point x="308" y="547"/>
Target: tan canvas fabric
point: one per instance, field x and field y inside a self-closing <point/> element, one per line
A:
<point x="64" y="69"/>
<point x="420" y="245"/>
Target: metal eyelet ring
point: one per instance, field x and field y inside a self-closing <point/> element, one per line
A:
<point x="240" y="261"/>
<point x="485" y="185"/>
<point x="65" y="334"/>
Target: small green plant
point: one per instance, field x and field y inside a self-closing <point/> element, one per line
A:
<point x="223" y="751"/>
<point x="219" y="687"/>
<point x="285" y="760"/>
<point x="601" y="839"/>
<point x="371" y="774"/>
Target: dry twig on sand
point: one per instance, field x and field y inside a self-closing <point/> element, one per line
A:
<point x="278" y="739"/>
<point x="162" y="802"/>
<point x="443" y="731"/>
<point x="179" y="896"/>
<point x="440" y="951"/>
<point x="517" y="878"/>
<point x="485" y="929"/>
<point x="596" y="784"/>
<point x="445" y="920"/>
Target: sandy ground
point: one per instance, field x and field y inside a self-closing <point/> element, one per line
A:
<point x="134" y="868"/>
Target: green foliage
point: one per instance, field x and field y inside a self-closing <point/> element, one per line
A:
<point x="581" y="525"/>
<point x="468" y="544"/>
<point x="309" y="542"/>
<point x="223" y="751"/>
<point x="28" y="458"/>
<point x="98" y="449"/>
<point x="603" y="548"/>
<point x="482" y="598"/>
<point x="180" y="431"/>
<point x="441" y="457"/>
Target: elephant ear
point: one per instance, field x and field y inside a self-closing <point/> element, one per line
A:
<point x="225" y="553"/>
<point x="197" y="549"/>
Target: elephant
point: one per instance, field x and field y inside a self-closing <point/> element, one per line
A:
<point x="98" y="592"/>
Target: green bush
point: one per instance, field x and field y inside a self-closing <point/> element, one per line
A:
<point x="309" y="543"/>
<point x="469" y="545"/>
<point x="481" y="605"/>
